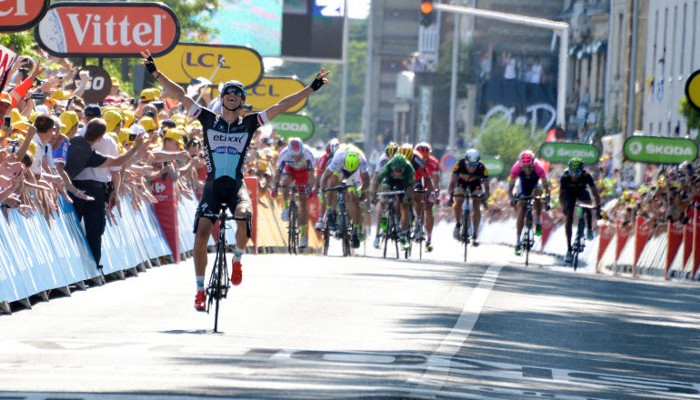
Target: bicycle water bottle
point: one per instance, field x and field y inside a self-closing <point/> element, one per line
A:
<point x="382" y="222"/>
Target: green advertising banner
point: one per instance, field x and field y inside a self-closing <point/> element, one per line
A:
<point x="291" y="125"/>
<point x="495" y="166"/>
<point x="659" y="150"/>
<point x="562" y="152"/>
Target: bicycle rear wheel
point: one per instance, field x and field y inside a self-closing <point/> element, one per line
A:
<point x="326" y="240"/>
<point x="466" y="220"/>
<point x="345" y="235"/>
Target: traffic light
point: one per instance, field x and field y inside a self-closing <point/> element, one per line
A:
<point x="427" y="12"/>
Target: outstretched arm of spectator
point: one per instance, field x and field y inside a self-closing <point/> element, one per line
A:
<point x="31" y="131"/>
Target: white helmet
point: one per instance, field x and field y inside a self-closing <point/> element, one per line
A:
<point x="472" y="157"/>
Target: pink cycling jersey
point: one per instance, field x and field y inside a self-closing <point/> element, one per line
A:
<point x="517" y="170"/>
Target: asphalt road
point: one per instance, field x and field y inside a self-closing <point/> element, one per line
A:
<point x="313" y="327"/>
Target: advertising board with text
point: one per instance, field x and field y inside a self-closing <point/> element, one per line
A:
<point x="188" y="61"/>
<point x="271" y="90"/>
<point x="20" y="15"/>
<point x="659" y="150"/>
<point x="562" y="152"/>
<point x="107" y="29"/>
<point x="495" y="166"/>
<point x="291" y="125"/>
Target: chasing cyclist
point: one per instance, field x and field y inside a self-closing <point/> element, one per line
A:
<point x="432" y="167"/>
<point x="389" y="151"/>
<point x="397" y="174"/>
<point x="295" y="167"/>
<point x="350" y="165"/>
<point x="572" y="188"/>
<point x="530" y="173"/>
<point x="321" y="165"/>
<point x="226" y="141"/>
<point x="468" y="174"/>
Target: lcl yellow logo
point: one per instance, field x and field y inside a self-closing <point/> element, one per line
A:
<point x="216" y="63"/>
<point x="271" y="90"/>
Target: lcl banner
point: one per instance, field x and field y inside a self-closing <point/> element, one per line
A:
<point x="108" y="29"/>
<point x="20" y="15"/>
<point x="271" y="90"/>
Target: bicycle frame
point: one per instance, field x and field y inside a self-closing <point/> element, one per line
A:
<point x="580" y="242"/>
<point x="392" y="231"/>
<point x="219" y="283"/>
<point x="527" y="240"/>
<point x="344" y="232"/>
<point x="293" y="229"/>
<point x="467" y="230"/>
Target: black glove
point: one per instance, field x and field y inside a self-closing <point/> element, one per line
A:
<point x="512" y="201"/>
<point x="150" y="65"/>
<point x="317" y="83"/>
<point x="598" y="214"/>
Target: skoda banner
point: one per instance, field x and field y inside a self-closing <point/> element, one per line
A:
<point x="660" y="150"/>
<point x="495" y="166"/>
<point x="562" y="152"/>
<point x="291" y="125"/>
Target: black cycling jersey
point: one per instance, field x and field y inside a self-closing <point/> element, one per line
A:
<point x="226" y="144"/>
<point x="574" y="187"/>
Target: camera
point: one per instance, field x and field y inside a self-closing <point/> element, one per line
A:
<point x="132" y="137"/>
<point x="159" y="105"/>
<point x="38" y="96"/>
<point x="7" y="122"/>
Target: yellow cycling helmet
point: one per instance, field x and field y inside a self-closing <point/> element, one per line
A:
<point x="391" y="149"/>
<point x="406" y="150"/>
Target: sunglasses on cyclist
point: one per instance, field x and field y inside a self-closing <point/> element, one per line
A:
<point x="472" y="164"/>
<point x="232" y="89"/>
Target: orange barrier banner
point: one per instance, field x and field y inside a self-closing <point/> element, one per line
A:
<point x="547" y="227"/>
<point x="623" y="233"/>
<point x="166" y="211"/>
<point x="688" y="230"/>
<point x="675" y="238"/>
<point x="314" y="205"/>
<point x="696" y="242"/>
<point x="642" y="231"/>
<point x="251" y="183"/>
<point x="607" y="232"/>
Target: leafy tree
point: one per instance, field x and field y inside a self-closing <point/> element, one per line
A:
<point x="501" y="138"/>
<point x="691" y="114"/>
<point x="323" y="106"/>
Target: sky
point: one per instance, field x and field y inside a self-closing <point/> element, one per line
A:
<point x="358" y="8"/>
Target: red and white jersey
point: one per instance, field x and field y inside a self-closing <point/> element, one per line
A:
<point x="432" y="164"/>
<point x="286" y="161"/>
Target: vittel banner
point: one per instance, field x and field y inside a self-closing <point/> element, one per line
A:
<point x="107" y="29"/>
<point x="660" y="150"/>
<point x="20" y="15"/>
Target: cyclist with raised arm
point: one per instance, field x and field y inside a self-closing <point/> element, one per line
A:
<point x="573" y="186"/>
<point x="389" y="151"/>
<point x="226" y="141"/>
<point x="468" y="174"/>
<point x="397" y="174"/>
<point x="533" y="179"/>
<point x="321" y="165"/>
<point x="295" y="167"/>
<point x="432" y="167"/>
<point x="350" y="165"/>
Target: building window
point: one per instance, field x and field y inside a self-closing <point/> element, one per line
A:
<point x="684" y="16"/>
<point x="651" y="128"/>
<point x="693" y="40"/>
<point x="673" y="42"/>
<point x="656" y="40"/>
<point x="620" y="39"/>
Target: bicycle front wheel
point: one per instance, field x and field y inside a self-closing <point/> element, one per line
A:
<point x="292" y="236"/>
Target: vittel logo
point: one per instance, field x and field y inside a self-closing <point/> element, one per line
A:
<point x="13" y="8"/>
<point x="19" y="15"/>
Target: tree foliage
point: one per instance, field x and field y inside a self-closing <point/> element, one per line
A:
<point x="500" y="138"/>
<point x="691" y="115"/>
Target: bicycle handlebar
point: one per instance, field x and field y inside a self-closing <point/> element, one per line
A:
<point x="337" y="188"/>
<point x="391" y="193"/>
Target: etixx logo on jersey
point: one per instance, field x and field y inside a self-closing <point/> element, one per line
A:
<point x="108" y="29"/>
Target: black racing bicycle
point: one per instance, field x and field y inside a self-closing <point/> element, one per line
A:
<point x="580" y="241"/>
<point x="393" y="223"/>
<point x="466" y="233"/>
<point x="219" y="282"/>
<point x="344" y="231"/>
<point x="293" y="226"/>
<point x="527" y="240"/>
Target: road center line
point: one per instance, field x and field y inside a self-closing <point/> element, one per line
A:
<point x="451" y="344"/>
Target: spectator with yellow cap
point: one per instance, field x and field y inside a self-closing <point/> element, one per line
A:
<point x="113" y="118"/>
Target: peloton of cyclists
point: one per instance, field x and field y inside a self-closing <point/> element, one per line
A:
<point x="533" y="179"/>
<point x="572" y="188"/>
<point x="295" y="167"/>
<point x="397" y="174"/>
<point x="350" y="165"/>
<point x="467" y="177"/>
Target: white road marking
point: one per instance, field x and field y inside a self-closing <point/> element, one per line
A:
<point x="461" y="331"/>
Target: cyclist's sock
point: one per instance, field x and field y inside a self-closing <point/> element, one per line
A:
<point x="285" y="204"/>
<point x="237" y="254"/>
<point x="303" y="230"/>
<point x="200" y="282"/>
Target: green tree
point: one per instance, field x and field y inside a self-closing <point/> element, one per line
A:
<point x="690" y="113"/>
<point x="323" y="106"/>
<point x="505" y="140"/>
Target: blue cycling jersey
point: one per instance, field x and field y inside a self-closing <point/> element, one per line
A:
<point x="226" y="144"/>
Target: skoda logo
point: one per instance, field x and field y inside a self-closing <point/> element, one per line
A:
<point x="548" y="151"/>
<point x="635" y="148"/>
